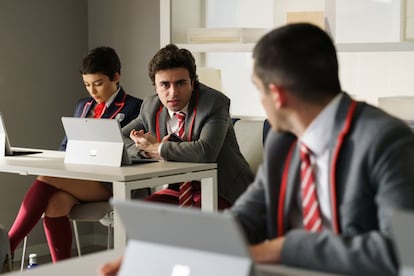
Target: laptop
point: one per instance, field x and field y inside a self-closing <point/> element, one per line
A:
<point x="96" y="142"/>
<point x="5" y="148"/>
<point x="168" y="240"/>
<point x="402" y="226"/>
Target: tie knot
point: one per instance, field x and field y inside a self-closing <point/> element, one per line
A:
<point x="99" y="108"/>
<point x="180" y="116"/>
<point x="305" y="152"/>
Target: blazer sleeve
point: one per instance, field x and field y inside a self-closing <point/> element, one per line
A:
<point x="209" y="132"/>
<point x="250" y="209"/>
<point x="137" y="124"/>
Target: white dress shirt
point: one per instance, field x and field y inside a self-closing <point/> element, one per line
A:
<point x="317" y="140"/>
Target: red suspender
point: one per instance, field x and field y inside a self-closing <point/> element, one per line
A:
<point x="157" y="123"/>
<point x="282" y="191"/>
<point x="335" y="154"/>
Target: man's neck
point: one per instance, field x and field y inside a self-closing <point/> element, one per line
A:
<point x="304" y="114"/>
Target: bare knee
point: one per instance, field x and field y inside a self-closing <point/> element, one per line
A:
<point x="43" y="178"/>
<point x="48" y="180"/>
<point x="60" y="204"/>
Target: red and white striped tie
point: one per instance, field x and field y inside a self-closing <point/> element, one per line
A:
<point x="181" y="119"/>
<point x="312" y="220"/>
<point x="185" y="198"/>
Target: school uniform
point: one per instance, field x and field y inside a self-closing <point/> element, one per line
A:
<point x="124" y="108"/>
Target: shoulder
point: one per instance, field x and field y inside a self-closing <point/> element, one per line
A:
<point x="375" y="120"/>
<point x="81" y="102"/>
<point x="151" y="101"/>
<point x="373" y="128"/>
<point x="278" y="144"/>
<point x="133" y="100"/>
<point x="129" y="97"/>
<point x="211" y="94"/>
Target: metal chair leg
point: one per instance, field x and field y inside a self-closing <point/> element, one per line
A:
<point x="75" y="230"/>
<point x="23" y="253"/>
<point x="110" y="225"/>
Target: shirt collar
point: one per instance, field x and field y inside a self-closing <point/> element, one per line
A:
<point x="185" y="110"/>
<point x="318" y="133"/>
<point x="112" y="98"/>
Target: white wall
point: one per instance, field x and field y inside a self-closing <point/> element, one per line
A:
<point x="367" y="75"/>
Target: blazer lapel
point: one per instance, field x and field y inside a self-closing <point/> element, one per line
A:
<point x="343" y="121"/>
<point x="116" y="106"/>
<point x="86" y="108"/>
<point x="189" y="119"/>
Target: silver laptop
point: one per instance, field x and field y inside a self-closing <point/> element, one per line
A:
<point x="402" y="225"/>
<point x="5" y="148"/>
<point x="96" y="142"/>
<point x="167" y="240"/>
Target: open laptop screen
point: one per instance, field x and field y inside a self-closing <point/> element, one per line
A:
<point x="186" y="239"/>
<point x="96" y="142"/>
<point x="6" y="149"/>
<point x="93" y="141"/>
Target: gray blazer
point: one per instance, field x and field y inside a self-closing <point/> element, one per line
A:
<point x="372" y="164"/>
<point x="212" y="138"/>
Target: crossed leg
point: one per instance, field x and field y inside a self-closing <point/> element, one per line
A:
<point x="54" y="197"/>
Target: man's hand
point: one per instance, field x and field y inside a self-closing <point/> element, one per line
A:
<point x="146" y="142"/>
<point x="268" y="251"/>
<point x="111" y="268"/>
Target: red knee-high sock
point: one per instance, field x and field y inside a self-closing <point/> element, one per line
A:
<point x="59" y="237"/>
<point x="31" y="209"/>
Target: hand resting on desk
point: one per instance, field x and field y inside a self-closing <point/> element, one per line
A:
<point x="110" y="268"/>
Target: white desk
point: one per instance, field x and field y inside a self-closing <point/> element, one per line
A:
<point x="88" y="264"/>
<point x="124" y="179"/>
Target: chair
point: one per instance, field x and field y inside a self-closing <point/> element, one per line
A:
<point x="399" y="106"/>
<point x="250" y="135"/>
<point x="100" y="211"/>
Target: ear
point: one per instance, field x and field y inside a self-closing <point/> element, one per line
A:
<point x="116" y="77"/>
<point x="279" y="95"/>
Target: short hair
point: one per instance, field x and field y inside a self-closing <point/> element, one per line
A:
<point x="102" y="60"/>
<point x="171" y="57"/>
<point x="301" y="58"/>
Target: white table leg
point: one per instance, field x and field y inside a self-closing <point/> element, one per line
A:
<point x="120" y="192"/>
<point x="209" y="193"/>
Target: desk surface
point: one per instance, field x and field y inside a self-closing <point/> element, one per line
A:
<point x="88" y="264"/>
<point x="51" y="163"/>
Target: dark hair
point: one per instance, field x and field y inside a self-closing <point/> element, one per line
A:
<point x="300" y="58"/>
<point x="172" y="57"/>
<point x="102" y="60"/>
